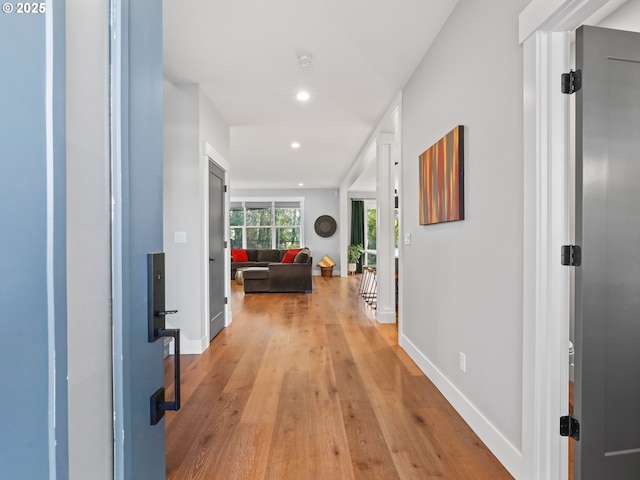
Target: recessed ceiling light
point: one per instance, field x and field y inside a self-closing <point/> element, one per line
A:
<point x="295" y="145"/>
<point x="301" y="184"/>
<point x="303" y="96"/>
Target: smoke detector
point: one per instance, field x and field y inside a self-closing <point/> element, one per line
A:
<point x="305" y="59"/>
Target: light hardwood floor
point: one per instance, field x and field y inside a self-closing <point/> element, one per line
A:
<point x="309" y="386"/>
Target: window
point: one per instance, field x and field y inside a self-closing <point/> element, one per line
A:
<point x="288" y="219"/>
<point x="258" y="220"/>
<point x="396" y="228"/>
<point x="266" y="224"/>
<point x="370" y="231"/>
<point x="236" y="222"/>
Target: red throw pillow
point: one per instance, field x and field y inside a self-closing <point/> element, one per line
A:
<point x="239" y="255"/>
<point x="290" y="255"/>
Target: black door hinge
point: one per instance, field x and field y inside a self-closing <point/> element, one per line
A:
<point x="569" y="427"/>
<point x="226" y="300"/>
<point x="225" y="244"/>
<point x="571" y="256"/>
<point x="225" y="189"/>
<point x="571" y="82"/>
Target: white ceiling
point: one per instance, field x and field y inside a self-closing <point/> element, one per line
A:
<point x="244" y="55"/>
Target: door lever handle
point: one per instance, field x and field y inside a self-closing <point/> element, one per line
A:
<point x="157" y="400"/>
<point x="156" y="328"/>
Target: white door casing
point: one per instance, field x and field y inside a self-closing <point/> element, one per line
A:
<point x="545" y="27"/>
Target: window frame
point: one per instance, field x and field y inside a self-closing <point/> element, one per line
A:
<point x="369" y="204"/>
<point x="273" y="201"/>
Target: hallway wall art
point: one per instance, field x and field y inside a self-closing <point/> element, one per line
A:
<point x="442" y="179"/>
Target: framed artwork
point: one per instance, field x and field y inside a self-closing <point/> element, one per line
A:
<point x="442" y="179"/>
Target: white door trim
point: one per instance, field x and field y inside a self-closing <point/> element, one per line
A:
<point x="545" y="27"/>
<point x="546" y="300"/>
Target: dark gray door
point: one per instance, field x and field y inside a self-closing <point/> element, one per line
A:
<point x="607" y="375"/>
<point x="216" y="249"/>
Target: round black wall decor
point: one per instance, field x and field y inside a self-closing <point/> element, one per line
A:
<point x="325" y="226"/>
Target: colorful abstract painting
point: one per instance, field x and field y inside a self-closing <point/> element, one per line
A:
<point x="442" y="179"/>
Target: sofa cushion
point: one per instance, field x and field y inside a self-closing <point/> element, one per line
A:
<point x="239" y="255"/>
<point x="256" y="273"/>
<point x="302" y="256"/>
<point x="268" y="256"/>
<point x="253" y="254"/>
<point x="290" y="256"/>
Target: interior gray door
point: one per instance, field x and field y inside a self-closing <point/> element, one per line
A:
<point x="607" y="375"/>
<point x="216" y="249"/>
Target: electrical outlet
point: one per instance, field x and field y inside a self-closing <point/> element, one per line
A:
<point x="463" y="362"/>
<point x="407" y="239"/>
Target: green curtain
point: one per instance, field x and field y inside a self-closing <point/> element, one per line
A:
<point x="357" y="227"/>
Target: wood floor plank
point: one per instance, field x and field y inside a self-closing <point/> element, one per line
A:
<point x="289" y="453"/>
<point x="206" y="445"/>
<point x="310" y="386"/>
<point x="383" y="376"/>
<point x="369" y="453"/>
<point x="265" y="393"/>
<point x="329" y="455"/>
<point x="245" y="452"/>
<point x="192" y="374"/>
<point x="200" y="420"/>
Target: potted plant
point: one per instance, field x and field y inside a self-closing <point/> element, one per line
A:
<point x="353" y="255"/>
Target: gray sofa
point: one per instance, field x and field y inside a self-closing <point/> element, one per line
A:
<point x="281" y="277"/>
<point x="257" y="258"/>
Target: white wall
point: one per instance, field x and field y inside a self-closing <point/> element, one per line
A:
<point x="317" y="202"/>
<point x="88" y="241"/>
<point x="190" y="120"/>
<point x="462" y="282"/>
<point x="213" y="129"/>
<point x="627" y="17"/>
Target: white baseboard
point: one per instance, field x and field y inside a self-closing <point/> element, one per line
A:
<point x="199" y="345"/>
<point x="191" y="347"/>
<point x="228" y="316"/>
<point x="386" y="316"/>
<point x="504" y="450"/>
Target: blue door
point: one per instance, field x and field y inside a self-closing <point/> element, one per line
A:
<point x="33" y="354"/>
<point x="136" y="101"/>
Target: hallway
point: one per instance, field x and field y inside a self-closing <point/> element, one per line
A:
<point x="311" y="387"/>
